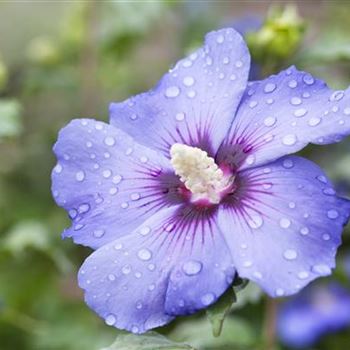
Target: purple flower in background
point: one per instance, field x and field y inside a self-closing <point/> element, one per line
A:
<point x="191" y="183"/>
<point x="315" y="312"/>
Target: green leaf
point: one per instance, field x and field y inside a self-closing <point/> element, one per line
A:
<point x="217" y="312"/>
<point x="10" y="123"/>
<point x="148" y="341"/>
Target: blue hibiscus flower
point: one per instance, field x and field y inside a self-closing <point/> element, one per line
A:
<point x="191" y="183"/>
<point x="316" y="311"/>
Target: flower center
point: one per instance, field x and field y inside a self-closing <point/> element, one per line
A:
<point x="199" y="173"/>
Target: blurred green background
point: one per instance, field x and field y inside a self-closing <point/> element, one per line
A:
<point x="65" y="59"/>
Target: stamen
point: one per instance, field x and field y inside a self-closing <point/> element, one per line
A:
<point x="199" y="172"/>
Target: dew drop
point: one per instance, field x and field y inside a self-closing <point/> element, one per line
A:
<point x="269" y="87"/>
<point x="109" y="141"/>
<point x="180" y="116"/>
<point x="80" y="176"/>
<point x="192" y="267"/>
<point x="188" y="81"/>
<point x="332" y="214"/>
<point x="304" y="231"/>
<point x="99" y="233"/>
<point x="288" y="163"/>
<point x="270" y="121"/>
<point x="300" y="112"/>
<point x="144" y="231"/>
<point x="126" y="269"/>
<point x="290" y="254"/>
<point x="256" y="221"/>
<point x="207" y="299"/>
<point x="110" y="320"/>
<point x="279" y="292"/>
<point x="285" y="223"/>
<point x="289" y="140"/>
<point x="314" y="121"/>
<point x="295" y="101"/>
<point x="321" y="269"/>
<point x="303" y="275"/>
<point x="144" y="254"/>
<point x="58" y="168"/>
<point x="172" y="91"/>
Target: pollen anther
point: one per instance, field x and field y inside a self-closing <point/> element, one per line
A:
<point x="199" y="172"/>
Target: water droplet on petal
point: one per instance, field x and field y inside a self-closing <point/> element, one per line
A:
<point x="304" y="231"/>
<point x="332" y="214"/>
<point x="207" y="299"/>
<point x="292" y="84"/>
<point x="314" y="121"/>
<point x="269" y="87"/>
<point x="256" y="221"/>
<point x="80" y="176"/>
<point x="300" y="112"/>
<point x="322" y="269"/>
<point x="188" y="81"/>
<point x="288" y="163"/>
<point x="290" y="254"/>
<point x="111" y="277"/>
<point x="289" y="140"/>
<point x="172" y="91"/>
<point x="110" y="320"/>
<point x="126" y="269"/>
<point x="192" y="267"/>
<point x="180" y="116"/>
<point x="145" y="230"/>
<point x="337" y="95"/>
<point x="269" y="121"/>
<point x="295" y="101"/>
<point x="109" y="141"/>
<point x="279" y="292"/>
<point x="220" y="39"/>
<point x="99" y="233"/>
<point x="58" y="168"/>
<point x="285" y="223"/>
<point x="308" y="79"/>
<point x="303" y="275"/>
<point x="144" y="254"/>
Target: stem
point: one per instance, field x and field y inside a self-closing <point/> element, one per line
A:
<point x="270" y="324"/>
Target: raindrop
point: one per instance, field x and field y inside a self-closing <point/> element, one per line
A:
<point x="279" y="292"/>
<point x="337" y="95"/>
<point x="99" y="233"/>
<point x="144" y="254"/>
<point x="192" y="267"/>
<point x="145" y="230"/>
<point x="292" y="84"/>
<point x="172" y="91"/>
<point x="285" y="223"/>
<point x="290" y="254"/>
<point x="289" y="140"/>
<point x="300" y="112"/>
<point x="314" y="121"/>
<point x="58" y="168"/>
<point x="256" y="221"/>
<point x="332" y="214"/>
<point x="109" y="141"/>
<point x="80" y="176"/>
<point x="269" y="87"/>
<point x="295" y="101"/>
<point x="288" y="163"/>
<point x="304" y="231"/>
<point x="220" y="39"/>
<point x="207" y="299"/>
<point x="188" y="81"/>
<point x="110" y="320"/>
<point x="135" y="196"/>
<point x="180" y="116"/>
<point x="126" y="269"/>
<point x="321" y="269"/>
<point x="303" y="275"/>
<point x="111" y="277"/>
<point x="270" y="121"/>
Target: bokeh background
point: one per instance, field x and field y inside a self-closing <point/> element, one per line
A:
<point x="65" y="59"/>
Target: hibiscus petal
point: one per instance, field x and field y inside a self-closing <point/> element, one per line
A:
<point x="284" y="224"/>
<point x="282" y="114"/>
<point x="200" y="91"/>
<point x="142" y="280"/>
<point x="316" y="311"/>
<point x="108" y="184"/>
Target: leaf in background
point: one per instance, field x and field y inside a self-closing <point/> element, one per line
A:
<point x="10" y="123"/>
<point x="3" y="75"/>
<point x="217" y="312"/>
<point x="250" y="294"/>
<point x="25" y="234"/>
<point x="237" y="333"/>
<point x="148" y="341"/>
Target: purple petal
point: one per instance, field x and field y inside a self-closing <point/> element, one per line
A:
<point x="186" y="106"/>
<point x="282" y="114"/>
<point x="284" y="224"/>
<point x="204" y="270"/>
<point x="175" y="263"/>
<point x="108" y="184"/>
<point x="316" y="311"/>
